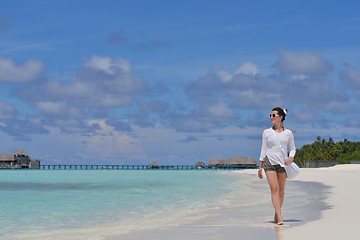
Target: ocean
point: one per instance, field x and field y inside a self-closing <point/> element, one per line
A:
<point x="78" y="204"/>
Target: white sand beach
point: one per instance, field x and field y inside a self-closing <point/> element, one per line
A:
<point x="342" y="220"/>
<point x="306" y="216"/>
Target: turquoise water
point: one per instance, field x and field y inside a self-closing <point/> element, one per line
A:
<point x="39" y="201"/>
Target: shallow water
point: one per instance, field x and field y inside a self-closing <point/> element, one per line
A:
<point x="46" y="200"/>
<point x="99" y="204"/>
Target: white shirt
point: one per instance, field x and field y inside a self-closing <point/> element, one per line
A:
<point x="270" y="145"/>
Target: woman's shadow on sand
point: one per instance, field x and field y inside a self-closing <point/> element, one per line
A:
<point x="288" y="221"/>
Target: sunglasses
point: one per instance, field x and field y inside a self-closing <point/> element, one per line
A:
<point x="272" y="115"/>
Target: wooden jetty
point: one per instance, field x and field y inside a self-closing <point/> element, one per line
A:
<point x="115" y="167"/>
<point x="134" y="167"/>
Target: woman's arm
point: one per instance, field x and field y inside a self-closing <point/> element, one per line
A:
<point x="291" y="148"/>
<point x="264" y="147"/>
<point x="262" y="154"/>
<point x="260" y="175"/>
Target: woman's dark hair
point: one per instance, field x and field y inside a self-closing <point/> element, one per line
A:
<point x="281" y="111"/>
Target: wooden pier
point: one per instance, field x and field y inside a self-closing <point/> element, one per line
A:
<point x="136" y="167"/>
<point x="115" y="167"/>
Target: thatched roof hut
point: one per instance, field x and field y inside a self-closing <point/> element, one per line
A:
<point x="216" y="161"/>
<point x="20" y="152"/>
<point x="233" y="162"/>
<point x="154" y="164"/>
<point x="200" y="165"/>
<point x="6" y="157"/>
<point x="241" y="160"/>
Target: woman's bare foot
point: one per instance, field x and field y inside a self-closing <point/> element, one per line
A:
<point x="278" y="220"/>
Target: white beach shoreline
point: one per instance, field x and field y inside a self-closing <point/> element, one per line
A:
<point x="335" y="216"/>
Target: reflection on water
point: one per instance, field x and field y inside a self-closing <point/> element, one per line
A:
<point x="279" y="229"/>
<point x="279" y="232"/>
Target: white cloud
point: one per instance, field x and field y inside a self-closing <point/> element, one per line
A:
<point x="29" y="71"/>
<point x="302" y="63"/>
<point x="224" y="75"/>
<point x="107" y="65"/>
<point x="248" y="69"/>
<point x="299" y="77"/>
<point x="7" y="112"/>
<point x="107" y="142"/>
<point x="221" y="110"/>
<point x="72" y="90"/>
<point x="82" y="94"/>
<point x="58" y="109"/>
<point x="103" y="127"/>
<point x="351" y="77"/>
<point x="304" y="87"/>
<point x="101" y="86"/>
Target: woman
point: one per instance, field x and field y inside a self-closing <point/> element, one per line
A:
<point x="277" y="142"/>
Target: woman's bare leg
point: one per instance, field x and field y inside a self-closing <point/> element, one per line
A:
<point x="277" y="200"/>
<point x="282" y="181"/>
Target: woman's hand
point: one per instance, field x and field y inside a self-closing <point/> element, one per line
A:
<point x="289" y="160"/>
<point x="260" y="175"/>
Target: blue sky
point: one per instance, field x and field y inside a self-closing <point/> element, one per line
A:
<point x="173" y="81"/>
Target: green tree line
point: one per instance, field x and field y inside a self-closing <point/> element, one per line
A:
<point x="326" y="149"/>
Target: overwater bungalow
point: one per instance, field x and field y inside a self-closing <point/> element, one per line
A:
<point x="18" y="160"/>
<point x="233" y="162"/>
